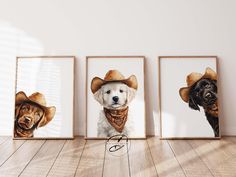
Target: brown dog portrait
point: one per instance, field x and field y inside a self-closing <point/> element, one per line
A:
<point x="31" y="113"/>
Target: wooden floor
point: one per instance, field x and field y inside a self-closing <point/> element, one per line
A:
<point x="146" y="158"/>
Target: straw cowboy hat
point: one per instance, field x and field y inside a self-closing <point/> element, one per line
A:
<point x="113" y="76"/>
<point x="192" y="79"/>
<point x="38" y="99"/>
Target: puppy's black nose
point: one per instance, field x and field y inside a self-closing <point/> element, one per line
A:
<point x="27" y="120"/>
<point x="115" y="98"/>
<point x="208" y="95"/>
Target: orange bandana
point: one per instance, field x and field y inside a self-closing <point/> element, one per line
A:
<point x="117" y="118"/>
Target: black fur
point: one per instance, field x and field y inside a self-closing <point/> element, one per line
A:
<point x="214" y="122"/>
<point x="204" y="93"/>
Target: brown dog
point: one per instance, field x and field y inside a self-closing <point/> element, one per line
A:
<point x="31" y="113"/>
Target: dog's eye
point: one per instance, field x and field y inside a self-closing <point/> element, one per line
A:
<point x="108" y="92"/>
<point x="208" y="86"/>
<point x="24" y="109"/>
<point x="121" y="91"/>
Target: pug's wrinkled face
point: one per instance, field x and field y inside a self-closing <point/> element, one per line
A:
<point x="29" y="115"/>
<point x="114" y="95"/>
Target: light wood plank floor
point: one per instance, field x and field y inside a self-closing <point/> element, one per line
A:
<point x="145" y="158"/>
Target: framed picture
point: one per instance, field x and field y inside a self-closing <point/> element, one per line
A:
<point x="115" y="97"/>
<point x="188" y="97"/>
<point x="44" y="100"/>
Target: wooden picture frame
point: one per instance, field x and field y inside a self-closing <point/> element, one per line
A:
<point x="181" y="74"/>
<point x="113" y="63"/>
<point x="45" y="93"/>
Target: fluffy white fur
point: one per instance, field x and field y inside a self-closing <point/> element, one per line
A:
<point x="105" y="97"/>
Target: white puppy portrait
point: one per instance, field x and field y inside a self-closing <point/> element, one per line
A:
<point x="114" y="93"/>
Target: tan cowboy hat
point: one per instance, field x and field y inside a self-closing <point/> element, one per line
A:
<point x="38" y="99"/>
<point x="113" y="76"/>
<point x="192" y="79"/>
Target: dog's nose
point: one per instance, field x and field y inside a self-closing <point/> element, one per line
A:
<point x="27" y="119"/>
<point x="115" y="98"/>
<point x="208" y="95"/>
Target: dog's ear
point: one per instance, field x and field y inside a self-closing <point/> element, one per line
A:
<point x="192" y="104"/>
<point x="42" y="122"/>
<point x="17" y="110"/>
<point x="98" y="95"/>
<point x="131" y="94"/>
<point x="47" y="116"/>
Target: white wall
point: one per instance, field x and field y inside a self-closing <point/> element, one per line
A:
<point x="119" y="27"/>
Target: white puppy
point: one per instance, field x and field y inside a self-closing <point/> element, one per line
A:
<point x="114" y="96"/>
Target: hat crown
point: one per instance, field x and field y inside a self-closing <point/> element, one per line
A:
<point x="211" y="74"/>
<point x="193" y="78"/>
<point x="38" y="98"/>
<point x="113" y="75"/>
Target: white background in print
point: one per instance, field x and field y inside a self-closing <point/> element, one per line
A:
<point x="127" y="67"/>
<point x="53" y="77"/>
<point x="178" y="120"/>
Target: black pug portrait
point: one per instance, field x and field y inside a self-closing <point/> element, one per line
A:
<point x="201" y="91"/>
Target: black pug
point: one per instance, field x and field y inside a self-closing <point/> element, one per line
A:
<point x="204" y="93"/>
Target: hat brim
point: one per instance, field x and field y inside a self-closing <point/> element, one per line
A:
<point x="97" y="83"/>
<point x="49" y="111"/>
